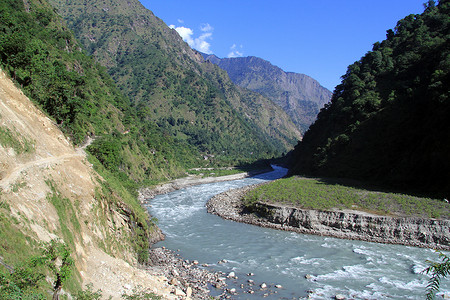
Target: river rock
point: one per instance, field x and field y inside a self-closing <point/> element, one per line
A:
<point x="188" y="291"/>
<point x="187" y="278"/>
<point x="180" y="293"/>
<point x="279" y="286"/>
<point x="263" y="285"/>
<point x="173" y="281"/>
<point x="231" y="275"/>
<point x="339" y="297"/>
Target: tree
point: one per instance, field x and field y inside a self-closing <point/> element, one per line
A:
<point x="438" y="270"/>
<point x="24" y="280"/>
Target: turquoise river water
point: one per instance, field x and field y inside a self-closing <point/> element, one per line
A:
<point x="355" y="269"/>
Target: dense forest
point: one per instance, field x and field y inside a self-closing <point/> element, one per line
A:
<point x="387" y="121"/>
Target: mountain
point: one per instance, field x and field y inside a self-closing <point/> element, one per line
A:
<point x="42" y="176"/>
<point x="170" y="84"/>
<point x="387" y="121"/>
<point x="49" y="191"/>
<point x="74" y="148"/>
<point x="299" y="95"/>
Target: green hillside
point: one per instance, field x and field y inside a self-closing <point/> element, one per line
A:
<point x="171" y="86"/>
<point x="388" y="120"/>
<point x="45" y="59"/>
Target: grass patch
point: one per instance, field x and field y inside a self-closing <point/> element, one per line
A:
<point x="257" y="167"/>
<point x="118" y="192"/>
<point x="14" y="140"/>
<point x="15" y="246"/>
<point x="310" y="193"/>
<point x="68" y="220"/>
<point x="214" y="172"/>
<point x="69" y="227"/>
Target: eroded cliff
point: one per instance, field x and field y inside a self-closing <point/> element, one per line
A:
<point x="428" y="233"/>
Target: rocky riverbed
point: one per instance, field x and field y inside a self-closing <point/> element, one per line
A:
<point x="193" y="280"/>
<point x="187" y="278"/>
<point x="427" y="233"/>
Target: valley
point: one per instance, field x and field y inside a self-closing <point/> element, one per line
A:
<point x="113" y="130"/>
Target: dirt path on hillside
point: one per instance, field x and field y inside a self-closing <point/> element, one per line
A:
<point x="12" y="175"/>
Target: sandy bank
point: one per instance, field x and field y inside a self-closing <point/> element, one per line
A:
<point x="148" y="193"/>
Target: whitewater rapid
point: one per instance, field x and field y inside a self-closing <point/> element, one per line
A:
<point x="302" y="264"/>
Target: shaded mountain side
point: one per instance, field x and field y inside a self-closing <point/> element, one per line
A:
<point x="299" y="95"/>
<point x="171" y="85"/>
<point x="387" y="120"/>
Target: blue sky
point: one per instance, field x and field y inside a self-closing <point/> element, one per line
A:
<point x="316" y="38"/>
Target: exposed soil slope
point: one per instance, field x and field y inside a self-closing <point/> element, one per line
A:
<point x="52" y="165"/>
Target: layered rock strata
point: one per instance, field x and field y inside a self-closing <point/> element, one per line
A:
<point x="426" y="233"/>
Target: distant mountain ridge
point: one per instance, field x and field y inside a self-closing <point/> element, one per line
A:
<point x="298" y="94"/>
<point x="171" y="85"/>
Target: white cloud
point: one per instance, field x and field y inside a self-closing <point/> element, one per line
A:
<point x="200" y="43"/>
<point x="206" y="28"/>
<point x="180" y="21"/>
<point x="235" y="52"/>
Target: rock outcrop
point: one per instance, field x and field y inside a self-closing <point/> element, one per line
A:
<point x="426" y="233"/>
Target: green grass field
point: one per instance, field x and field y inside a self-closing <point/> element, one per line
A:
<point x="318" y="194"/>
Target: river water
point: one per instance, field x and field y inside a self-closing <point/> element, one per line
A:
<point x="355" y="269"/>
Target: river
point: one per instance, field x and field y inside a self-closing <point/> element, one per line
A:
<point x="355" y="269"/>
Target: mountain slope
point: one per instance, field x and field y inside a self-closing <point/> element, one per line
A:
<point x="42" y="55"/>
<point x="299" y="95"/>
<point x="48" y="190"/>
<point x="171" y="86"/>
<point x="387" y="120"/>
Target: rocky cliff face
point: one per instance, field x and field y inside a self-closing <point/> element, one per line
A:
<point x="298" y="94"/>
<point x="418" y="232"/>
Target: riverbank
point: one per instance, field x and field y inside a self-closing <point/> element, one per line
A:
<point x="148" y="193"/>
<point x="187" y="279"/>
<point x="355" y="225"/>
<point x="183" y="279"/>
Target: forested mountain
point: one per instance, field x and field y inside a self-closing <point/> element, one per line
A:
<point x="170" y="84"/>
<point x="43" y="56"/>
<point x="298" y="94"/>
<point x="388" y="120"/>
